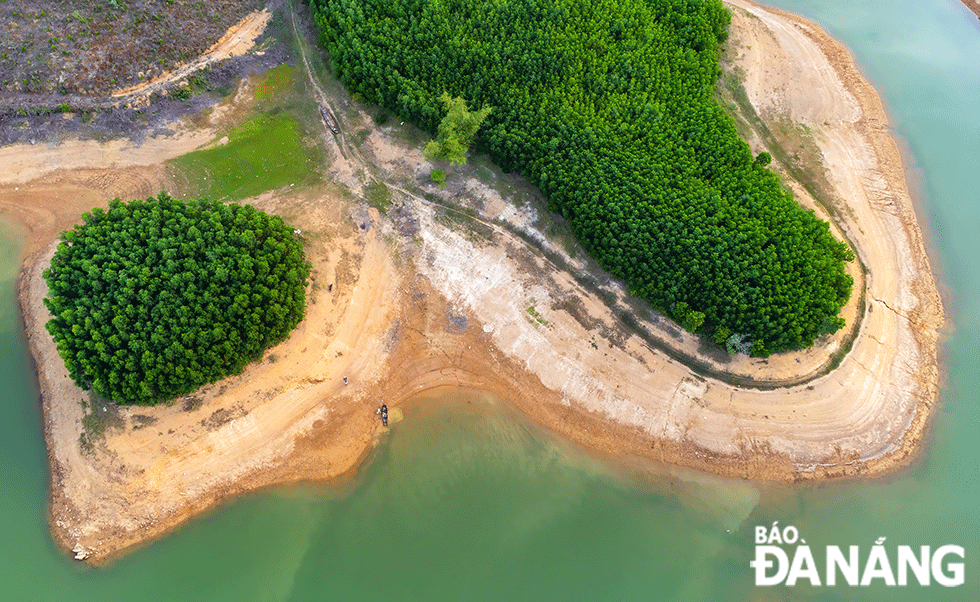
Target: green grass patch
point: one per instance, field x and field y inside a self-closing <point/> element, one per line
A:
<point x="378" y="196"/>
<point x="275" y="82"/>
<point x="265" y="153"/>
<point x="439" y="177"/>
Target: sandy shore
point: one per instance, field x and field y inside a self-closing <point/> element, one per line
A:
<point x="973" y="5"/>
<point x="423" y="298"/>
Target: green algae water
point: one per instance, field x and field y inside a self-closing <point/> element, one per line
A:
<point x="465" y="501"/>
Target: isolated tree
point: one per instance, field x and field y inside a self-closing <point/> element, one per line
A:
<point x="456" y="131"/>
<point x="692" y="321"/>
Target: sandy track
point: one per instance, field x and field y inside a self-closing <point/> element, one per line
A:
<point x="419" y="302"/>
<point x="27" y="162"/>
<point x="238" y="40"/>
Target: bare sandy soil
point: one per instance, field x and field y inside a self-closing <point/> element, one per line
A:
<point x="468" y="287"/>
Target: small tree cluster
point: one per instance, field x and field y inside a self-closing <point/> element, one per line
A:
<point x="152" y="299"/>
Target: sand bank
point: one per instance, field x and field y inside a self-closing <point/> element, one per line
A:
<point x="425" y="296"/>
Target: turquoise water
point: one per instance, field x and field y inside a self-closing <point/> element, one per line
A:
<point x="473" y="503"/>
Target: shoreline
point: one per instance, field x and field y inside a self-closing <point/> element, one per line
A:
<point x="974" y="6"/>
<point x="296" y="422"/>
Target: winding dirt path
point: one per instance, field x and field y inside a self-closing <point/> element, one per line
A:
<point x="238" y="40"/>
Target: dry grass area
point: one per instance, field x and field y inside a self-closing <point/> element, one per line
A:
<point x="156" y="106"/>
<point x="96" y="46"/>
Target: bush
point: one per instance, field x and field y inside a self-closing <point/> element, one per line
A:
<point x="152" y="299"/>
<point x="182" y="93"/>
<point x="439" y="177"/>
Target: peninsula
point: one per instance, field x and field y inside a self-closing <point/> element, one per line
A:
<point x="415" y="287"/>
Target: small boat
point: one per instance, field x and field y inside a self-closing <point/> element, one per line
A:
<point x="328" y="119"/>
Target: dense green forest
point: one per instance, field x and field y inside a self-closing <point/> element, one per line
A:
<point x="607" y="106"/>
<point x="152" y="299"/>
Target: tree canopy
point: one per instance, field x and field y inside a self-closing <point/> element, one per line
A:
<point x="152" y="299"/>
<point x="607" y="106"/>
<point x="456" y="131"/>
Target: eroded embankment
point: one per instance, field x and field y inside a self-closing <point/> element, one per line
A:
<point x="973" y="5"/>
<point x="422" y="297"/>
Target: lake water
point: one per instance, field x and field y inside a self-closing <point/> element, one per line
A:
<point x="465" y="501"/>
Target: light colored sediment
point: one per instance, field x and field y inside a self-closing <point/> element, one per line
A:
<point x="419" y="302"/>
<point x="29" y="162"/>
